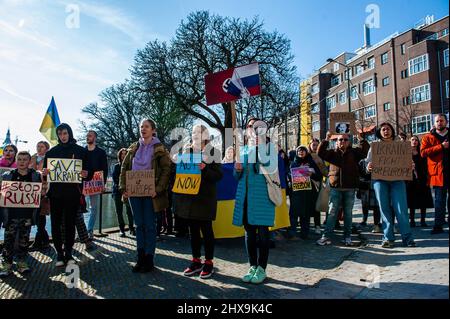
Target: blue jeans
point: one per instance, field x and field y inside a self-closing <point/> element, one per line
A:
<point x="145" y="220"/>
<point x="338" y="199"/>
<point x="93" y="202"/>
<point x="440" y="199"/>
<point x="392" y="195"/>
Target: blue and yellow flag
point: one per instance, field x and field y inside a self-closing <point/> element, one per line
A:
<point x="50" y="122"/>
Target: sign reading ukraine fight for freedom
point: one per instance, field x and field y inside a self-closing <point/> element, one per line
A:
<point x="300" y="179"/>
<point x="16" y="194"/>
<point x="232" y="84"/>
<point x="188" y="175"/>
<point x="64" y="170"/>
<point x="95" y="186"/>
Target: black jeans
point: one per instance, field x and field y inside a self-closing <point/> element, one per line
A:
<point x="256" y="242"/>
<point x="41" y="238"/>
<point x="376" y="215"/>
<point x="205" y="227"/>
<point x="64" y="211"/>
<point x="119" y="210"/>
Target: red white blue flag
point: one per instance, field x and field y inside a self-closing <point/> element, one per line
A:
<point x="232" y="84"/>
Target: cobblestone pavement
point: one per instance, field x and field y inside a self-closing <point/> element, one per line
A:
<point x="297" y="269"/>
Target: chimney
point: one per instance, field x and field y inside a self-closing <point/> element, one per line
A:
<point x="366" y="36"/>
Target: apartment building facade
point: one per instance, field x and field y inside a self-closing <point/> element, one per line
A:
<point x="403" y="80"/>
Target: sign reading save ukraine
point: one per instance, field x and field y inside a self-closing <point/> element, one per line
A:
<point x="188" y="175"/>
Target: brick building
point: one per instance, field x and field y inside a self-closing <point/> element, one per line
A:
<point x="403" y="80"/>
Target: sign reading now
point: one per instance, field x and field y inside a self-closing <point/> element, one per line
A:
<point x="189" y="175"/>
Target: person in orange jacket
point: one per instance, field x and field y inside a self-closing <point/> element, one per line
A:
<point x="435" y="148"/>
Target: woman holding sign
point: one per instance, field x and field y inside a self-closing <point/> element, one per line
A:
<point x="391" y="195"/>
<point x="199" y="207"/>
<point x="253" y="208"/>
<point x="148" y="154"/>
<point x="304" y="176"/>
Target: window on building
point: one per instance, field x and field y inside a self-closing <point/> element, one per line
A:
<point x="421" y="124"/>
<point x="386" y="81"/>
<point x="384" y="58"/>
<point x="386" y="106"/>
<point x="316" y="126"/>
<point x="359" y="70"/>
<point x="358" y="114"/>
<point x="418" y="64"/>
<point x="404" y="74"/>
<point x="433" y="36"/>
<point x="336" y="67"/>
<point x="368" y="87"/>
<point x="346" y="73"/>
<point x="343" y="97"/>
<point x="403" y="49"/>
<point x="370" y="112"/>
<point x="315" y="108"/>
<point x="420" y="94"/>
<point x="336" y="80"/>
<point x="444" y="32"/>
<point x="315" y="88"/>
<point x="331" y="102"/>
<point x="354" y="93"/>
<point x="445" y="58"/>
<point x="405" y="100"/>
<point x="371" y="62"/>
<point x="446" y="89"/>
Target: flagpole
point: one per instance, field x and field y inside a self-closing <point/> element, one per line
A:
<point x="234" y="126"/>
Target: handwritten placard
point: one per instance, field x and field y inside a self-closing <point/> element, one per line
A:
<point x="140" y="183"/>
<point x="392" y="161"/>
<point x="63" y="170"/>
<point x="301" y="180"/>
<point x="342" y="123"/>
<point x="188" y="175"/>
<point x="20" y="194"/>
<point x="3" y="170"/>
<point x="95" y="186"/>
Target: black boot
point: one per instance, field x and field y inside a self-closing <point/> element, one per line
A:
<point x="140" y="261"/>
<point x="148" y="264"/>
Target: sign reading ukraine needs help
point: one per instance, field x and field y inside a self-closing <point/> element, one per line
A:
<point x="140" y="183"/>
<point x="188" y="175"/>
<point x="232" y="84"/>
<point x="300" y="179"/>
<point x="64" y="170"/>
<point x="16" y="194"/>
<point x="95" y="186"/>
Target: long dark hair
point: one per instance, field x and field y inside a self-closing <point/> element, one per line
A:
<point x="378" y="133"/>
<point x="418" y="145"/>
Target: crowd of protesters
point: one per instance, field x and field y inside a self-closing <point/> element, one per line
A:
<point x="336" y="170"/>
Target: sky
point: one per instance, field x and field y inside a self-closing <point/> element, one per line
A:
<point x="45" y="50"/>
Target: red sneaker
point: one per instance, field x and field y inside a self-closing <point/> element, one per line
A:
<point x="195" y="267"/>
<point x="208" y="270"/>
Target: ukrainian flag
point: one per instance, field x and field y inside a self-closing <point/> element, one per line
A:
<point x="50" y="122"/>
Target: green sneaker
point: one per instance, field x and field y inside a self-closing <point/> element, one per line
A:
<point x="259" y="277"/>
<point x="251" y="272"/>
<point x="22" y="267"/>
<point x="5" y="269"/>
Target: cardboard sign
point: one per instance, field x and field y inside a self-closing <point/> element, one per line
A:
<point x="3" y="170"/>
<point x="301" y="181"/>
<point x="95" y="186"/>
<point x="140" y="183"/>
<point x="64" y="170"/>
<point x="189" y="175"/>
<point x="16" y="194"/>
<point x="342" y="123"/>
<point x="392" y="161"/>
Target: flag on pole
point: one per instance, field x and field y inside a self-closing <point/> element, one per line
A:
<point x="232" y="84"/>
<point x="50" y="122"/>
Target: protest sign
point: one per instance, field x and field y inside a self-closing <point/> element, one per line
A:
<point x="95" y="186"/>
<point x="342" y="123"/>
<point x="3" y="170"/>
<point x="301" y="180"/>
<point x="392" y="161"/>
<point x="188" y="175"/>
<point x="63" y="170"/>
<point x="16" y="194"/>
<point x="140" y="183"/>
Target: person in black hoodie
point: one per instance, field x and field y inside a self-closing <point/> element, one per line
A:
<point x="65" y="197"/>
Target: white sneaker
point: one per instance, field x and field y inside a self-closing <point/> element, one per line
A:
<point x="71" y="262"/>
<point x="318" y="230"/>
<point x="323" y="241"/>
<point x="59" y="263"/>
<point x="347" y="241"/>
